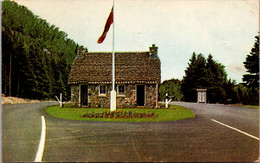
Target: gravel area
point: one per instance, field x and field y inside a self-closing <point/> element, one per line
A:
<point x="16" y="100"/>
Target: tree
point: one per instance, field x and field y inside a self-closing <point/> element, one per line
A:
<point x="194" y="77"/>
<point x="207" y="74"/>
<point x="232" y="95"/>
<point x="36" y="57"/>
<point x="243" y="94"/>
<point x="172" y="87"/>
<point x="216" y="80"/>
<point x="252" y="66"/>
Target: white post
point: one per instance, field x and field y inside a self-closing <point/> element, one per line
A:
<point x="198" y="96"/>
<point x="80" y="95"/>
<point x="60" y="100"/>
<point x="166" y="101"/>
<point x="113" y="92"/>
<point x="57" y="99"/>
<point x="156" y="95"/>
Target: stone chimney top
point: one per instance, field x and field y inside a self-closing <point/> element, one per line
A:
<point x="153" y="51"/>
<point x="81" y="52"/>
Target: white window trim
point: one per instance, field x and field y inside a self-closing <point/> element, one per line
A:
<point x="117" y="90"/>
<point x="102" y="94"/>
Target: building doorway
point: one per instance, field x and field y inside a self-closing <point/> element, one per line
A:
<point x="84" y="95"/>
<point x="140" y="94"/>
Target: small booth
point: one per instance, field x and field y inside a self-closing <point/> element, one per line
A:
<point x="202" y="96"/>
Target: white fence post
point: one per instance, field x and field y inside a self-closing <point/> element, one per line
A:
<point x="166" y="100"/>
<point x="60" y="100"/>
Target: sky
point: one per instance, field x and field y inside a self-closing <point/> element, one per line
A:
<point x="226" y="29"/>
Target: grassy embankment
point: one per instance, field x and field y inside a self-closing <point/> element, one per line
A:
<point x="171" y="114"/>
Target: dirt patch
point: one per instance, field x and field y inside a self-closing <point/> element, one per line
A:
<point x="16" y="100"/>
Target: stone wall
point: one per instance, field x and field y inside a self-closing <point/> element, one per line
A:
<point x="124" y="100"/>
<point x="96" y="100"/>
<point x="128" y="99"/>
<point x="151" y="98"/>
<point x="75" y="95"/>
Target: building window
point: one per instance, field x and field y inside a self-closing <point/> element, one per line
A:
<point x="102" y="89"/>
<point x="121" y="89"/>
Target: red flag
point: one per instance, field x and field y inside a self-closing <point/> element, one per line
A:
<point x="107" y="26"/>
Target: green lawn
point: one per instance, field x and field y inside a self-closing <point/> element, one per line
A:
<point x="172" y="114"/>
<point x="252" y="106"/>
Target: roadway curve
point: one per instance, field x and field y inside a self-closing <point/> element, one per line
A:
<point x="199" y="139"/>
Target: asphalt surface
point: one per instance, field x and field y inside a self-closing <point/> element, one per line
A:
<point x="21" y="129"/>
<point x="193" y="140"/>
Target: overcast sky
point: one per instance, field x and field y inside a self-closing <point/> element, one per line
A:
<point x="224" y="28"/>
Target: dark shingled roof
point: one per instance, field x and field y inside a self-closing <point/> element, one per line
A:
<point x="130" y="67"/>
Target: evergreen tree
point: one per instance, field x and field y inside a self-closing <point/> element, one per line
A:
<point x="195" y="77"/>
<point x="36" y="57"/>
<point x="252" y="66"/>
<point x="204" y="74"/>
<point x="216" y="79"/>
<point x="231" y="93"/>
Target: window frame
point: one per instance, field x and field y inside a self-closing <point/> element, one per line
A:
<point x="118" y="89"/>
<point x="99" y="90"/>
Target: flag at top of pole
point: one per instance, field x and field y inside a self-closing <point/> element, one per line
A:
<point x="107" y="26"/>
<point x="110" y="20"/>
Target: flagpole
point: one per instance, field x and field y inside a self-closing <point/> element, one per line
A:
<point x="113" y="92"/>
<point x="113" y="50"/>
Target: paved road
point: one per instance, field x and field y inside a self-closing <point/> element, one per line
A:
<point x="199" y="139"/>
<point x="21" y="129"/>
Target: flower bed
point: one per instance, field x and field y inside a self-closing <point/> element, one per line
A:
<point x="156" y="115"/>
<point x="119" y="114"/>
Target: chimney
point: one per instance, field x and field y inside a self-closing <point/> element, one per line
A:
<point x="153" y="51"/>
<point x="82" y="52"/>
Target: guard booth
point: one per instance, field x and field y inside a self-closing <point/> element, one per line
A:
<point x="201" y="96"/>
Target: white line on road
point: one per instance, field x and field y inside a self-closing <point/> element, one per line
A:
<point x="39" y="153"/>
<point x="235" y="129"/>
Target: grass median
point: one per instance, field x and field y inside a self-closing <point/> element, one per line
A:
<point x="170" y="114"/>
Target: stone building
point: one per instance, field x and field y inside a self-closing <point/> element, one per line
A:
<point x="137" y="75"/>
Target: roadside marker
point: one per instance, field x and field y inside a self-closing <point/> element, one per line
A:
<point x="39" y="153"/>
<point x="235" y="129"/>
